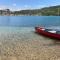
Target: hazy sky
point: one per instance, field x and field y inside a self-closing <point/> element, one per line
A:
<point x="27" y="4"/>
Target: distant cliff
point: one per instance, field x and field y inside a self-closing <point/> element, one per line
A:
<point x="47" y="11"/>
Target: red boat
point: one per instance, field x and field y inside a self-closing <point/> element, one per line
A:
<point x="48" y="32"/>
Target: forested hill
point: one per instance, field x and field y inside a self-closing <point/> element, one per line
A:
<point x="47" y="11"/>
<point x="53" y="10"/>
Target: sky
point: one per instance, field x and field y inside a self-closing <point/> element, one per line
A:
<point x="27" y="4"/>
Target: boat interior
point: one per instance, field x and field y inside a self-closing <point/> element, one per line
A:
<point x="52" y="31"/>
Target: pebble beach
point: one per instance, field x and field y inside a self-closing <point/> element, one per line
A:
<point x="24" y="44"/>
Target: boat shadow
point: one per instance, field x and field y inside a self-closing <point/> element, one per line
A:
<point x="46" y="36"/>
<point x="55" y="42"/>
<point x="52" y="44"/>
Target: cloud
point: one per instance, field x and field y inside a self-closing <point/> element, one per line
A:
<point x="8" y="7"/>
<point x="3" y="7"/>
<point x="16" y="8"/>
<point x="41" y="6"/>
<point x="14" y="4"/>
<point x="26" y="7"/>
<point x="33" y="7"/>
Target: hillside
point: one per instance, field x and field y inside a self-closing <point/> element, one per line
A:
<point x="54" y="10"/>
<point x="47" y="11"/>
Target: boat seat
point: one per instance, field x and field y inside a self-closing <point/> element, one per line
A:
<point x="48" y="30"/>
<point x="52" y="31"/>
<point x="58" y="32"/>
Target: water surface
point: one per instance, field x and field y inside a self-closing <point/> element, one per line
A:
<point x="29" y="21"/>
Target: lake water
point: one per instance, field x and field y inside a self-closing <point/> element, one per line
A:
<point x="29" y="21"/>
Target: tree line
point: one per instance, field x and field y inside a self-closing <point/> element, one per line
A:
<point x="47" y="11"/>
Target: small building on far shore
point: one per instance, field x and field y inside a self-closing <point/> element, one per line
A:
<point x="5" y="12"/>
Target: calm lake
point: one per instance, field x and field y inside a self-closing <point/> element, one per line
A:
<point x="29" y="21"/>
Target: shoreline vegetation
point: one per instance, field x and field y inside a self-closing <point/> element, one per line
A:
<point x="47" y="11"/>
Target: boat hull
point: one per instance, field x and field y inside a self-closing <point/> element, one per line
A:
<point x="48" y="34"/>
